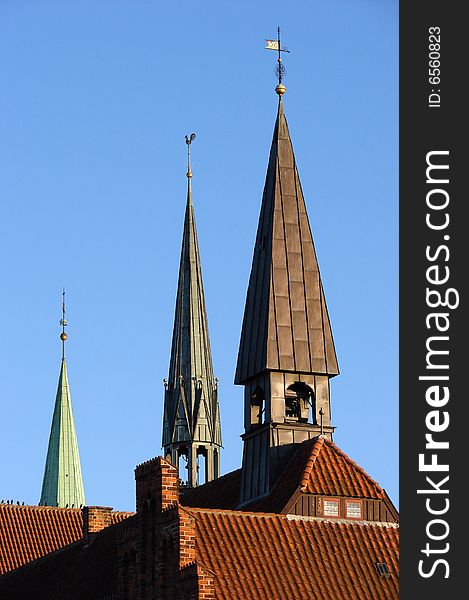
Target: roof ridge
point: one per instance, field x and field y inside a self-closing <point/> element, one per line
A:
<point x="315" y="450"/>
<point x="291" y="517"/>
<point x="238" y="513"/>
<point x="334" y="521"/>
<point x="41" y="508"/>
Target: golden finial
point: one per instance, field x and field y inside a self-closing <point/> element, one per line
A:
<point x="280" y="89"/>
<point x="64" y="323"/>
<point x="189" y="140"/>
<point x="280" y="69"/>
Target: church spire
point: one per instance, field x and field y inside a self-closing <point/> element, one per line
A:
<point x="286" y="352"/>
<point x="63" y="483"/>
<point x="286" y="324"/>
<point x="191" y="423"/>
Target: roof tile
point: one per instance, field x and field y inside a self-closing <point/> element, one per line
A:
<point x="273" y="556"/>
<point x="317" y="466"/>
<point x="29" y="532"/>
<point x="330" y="471"/>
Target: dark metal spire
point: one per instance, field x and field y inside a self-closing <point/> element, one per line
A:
<point x="286" y="352"/>
<point x="286" y="324"/>
<point x="191" y="425"/>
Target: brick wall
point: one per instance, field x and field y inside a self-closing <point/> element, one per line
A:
<point x="96" y="518"/>
<point x="166" y="555"/>
<point x="195" y="583"/>
<point x="157" y="485"/>
<point x="186" y="538"/>
<point x="206" y="584"/>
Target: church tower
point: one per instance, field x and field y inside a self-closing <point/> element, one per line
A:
<point x="63" y="483"/>
<point x="286" y="354"/>
<point x="191" y="423"/>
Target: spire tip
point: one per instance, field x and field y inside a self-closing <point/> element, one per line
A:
<point x="280" y="68"/>
<point x="189" y="140"/>
<point x="64" y="323"/>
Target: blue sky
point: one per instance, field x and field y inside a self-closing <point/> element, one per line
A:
<point x="95" y="100"/>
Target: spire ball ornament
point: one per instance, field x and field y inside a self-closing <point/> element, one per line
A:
<point x="280" y="89"/>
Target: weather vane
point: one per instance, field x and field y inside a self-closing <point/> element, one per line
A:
<point x="189" y="140"/>
<point x="64" y="323"/>
<point x="280" y="68"/>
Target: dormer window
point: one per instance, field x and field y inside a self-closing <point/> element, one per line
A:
<point x="330" y="508"/>
<point x="353" y="509"/>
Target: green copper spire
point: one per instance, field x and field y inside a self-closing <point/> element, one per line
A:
<point x="191" y="425"/>
<point x="63" y="483"/>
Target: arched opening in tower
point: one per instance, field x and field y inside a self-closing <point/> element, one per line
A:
<point x="183" y="464"/>
<point x="258" y="401"/>
<point x="300" y="403"/>
<point x="202" y="465"/>
<point x="216" y="468"/>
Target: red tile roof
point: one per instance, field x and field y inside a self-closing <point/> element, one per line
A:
<point x="320" y="467"/>
<point x="278" y="557"/>
<point x="250" y="556"/>
<point x="330" y="471"/>
<point x="29" y="532"/>
<point x="84" y="569"/>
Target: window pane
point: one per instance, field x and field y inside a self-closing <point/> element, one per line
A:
<point x="353" y="510"/>
<point x="331" y="508"/>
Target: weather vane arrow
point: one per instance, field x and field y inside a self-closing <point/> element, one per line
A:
<point x="280" y="69"/>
